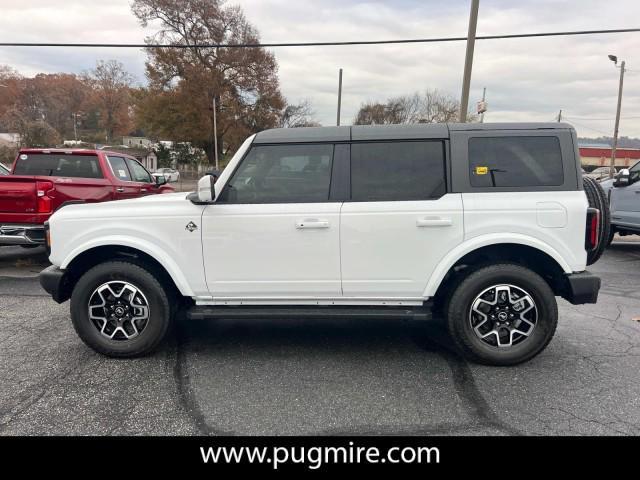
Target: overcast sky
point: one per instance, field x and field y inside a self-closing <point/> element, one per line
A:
<point x="526" y="79"/>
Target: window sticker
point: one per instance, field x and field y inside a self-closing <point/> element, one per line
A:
<point x="482" y="170"/>
<point x="24" y="156"/>
<point x="122" y="174"/>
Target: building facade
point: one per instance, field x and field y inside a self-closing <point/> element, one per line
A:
<point x="601" y="156"/>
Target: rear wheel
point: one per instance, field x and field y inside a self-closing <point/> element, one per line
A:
<point x="502" y="315"/>
<point x="119" y="309"/>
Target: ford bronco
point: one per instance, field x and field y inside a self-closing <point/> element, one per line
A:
<point x="483" y="225"/>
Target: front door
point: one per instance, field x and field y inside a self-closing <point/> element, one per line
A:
<point x="142" y="177"/>
<point x="124" y="186"/>
<point x="273" y="232"/>
<point x="400" y="221"/>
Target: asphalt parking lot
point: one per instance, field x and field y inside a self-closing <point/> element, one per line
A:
<point x="319" y="377"/>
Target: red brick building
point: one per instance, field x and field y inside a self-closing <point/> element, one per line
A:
<point x="600" y="157"/>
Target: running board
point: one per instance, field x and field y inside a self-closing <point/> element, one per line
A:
<point x="267" y="312"/>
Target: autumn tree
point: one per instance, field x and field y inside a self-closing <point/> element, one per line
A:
<point x="111" y="94"/>
<point x="11" y="85"/>
<point x="183" y="82"/>
<point x="432" y="106"/>
<point x="33" y="132"/>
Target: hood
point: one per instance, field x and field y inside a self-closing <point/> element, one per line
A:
<point x="151" y="205"/>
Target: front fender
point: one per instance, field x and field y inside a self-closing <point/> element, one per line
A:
<point x="483" y="241"/>
<point x="163" y="258"/>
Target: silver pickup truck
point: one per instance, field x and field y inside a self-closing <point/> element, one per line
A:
<point x="624" y="200"/>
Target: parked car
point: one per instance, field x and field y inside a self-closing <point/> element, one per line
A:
<point x="624" y="201"/>
<point x="45" y="180"/>
<point x="601" y="173"/>
<point x="169" y="173"/>
<point x="4" y="170"/>
<point x="485" y="224"/>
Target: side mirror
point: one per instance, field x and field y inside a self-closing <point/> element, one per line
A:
<point x="215" y="174"/>
<point x="160" y="180"/>
<point x="206" y="189"/>
<point x="622" y="178"/>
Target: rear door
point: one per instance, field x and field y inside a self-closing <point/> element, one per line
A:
<point x="400" y="220"/>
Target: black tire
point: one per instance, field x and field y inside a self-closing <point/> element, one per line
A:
<point x="478" y="350"/>
<point x="597" y="198"/>
<point x="151" y="333"/>
<point x="612" y="233"/>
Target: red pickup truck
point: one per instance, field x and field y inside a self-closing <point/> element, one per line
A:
<point x="44" y="180"/>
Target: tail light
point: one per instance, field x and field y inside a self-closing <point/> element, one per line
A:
<point x="43" y="191"/>
<point x="593" y="229"/>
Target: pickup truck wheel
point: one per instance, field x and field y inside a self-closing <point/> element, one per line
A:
<point x="119" y="309"/>
<point x="502" y="315"/>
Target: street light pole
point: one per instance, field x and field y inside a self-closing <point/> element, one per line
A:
<point x="468" y="60"/>
<point x="615" y="130"/>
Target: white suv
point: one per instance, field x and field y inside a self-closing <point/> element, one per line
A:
<point x="483" y="224"/>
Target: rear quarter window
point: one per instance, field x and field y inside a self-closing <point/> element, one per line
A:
<point x="515" y="161"/>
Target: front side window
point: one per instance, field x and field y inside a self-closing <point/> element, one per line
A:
<point x="391" y="171"/>
<point x="282" y="174"/>
<point x="119" y="168"/>
<point x="138" y="172"/>
<point x="515" y="162"/>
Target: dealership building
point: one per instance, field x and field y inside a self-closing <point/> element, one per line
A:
<point x="600" y="156"/>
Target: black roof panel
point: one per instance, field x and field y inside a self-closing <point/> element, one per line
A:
<point x="390" y="132"/>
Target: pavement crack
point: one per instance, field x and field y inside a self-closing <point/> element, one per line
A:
<point x="464" y="382"/>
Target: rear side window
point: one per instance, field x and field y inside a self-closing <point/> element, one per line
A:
<point x="388" y="171"/>
<point x="282" y="174"/>
<point x="119" y="168"/>
<point x="58" y="165"/>
<point x="515" y="162"/>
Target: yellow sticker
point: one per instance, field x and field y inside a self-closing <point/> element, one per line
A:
<point x="482" y="170"/>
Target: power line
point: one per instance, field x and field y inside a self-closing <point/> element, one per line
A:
<point x="319" y="44"/>
<point x="600" y="119"/>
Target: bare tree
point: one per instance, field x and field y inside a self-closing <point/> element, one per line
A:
<point x="432" y="106"/>
<point x="111" y="85"/>
<point x="298" y="115"/>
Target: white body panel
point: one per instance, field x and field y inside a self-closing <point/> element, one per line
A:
<point x="389" y="249"/>
<point x="154" y="225"/>
<point x="260" y="251"/>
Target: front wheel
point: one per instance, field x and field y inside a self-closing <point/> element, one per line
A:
<point x="119" y="309"/>
<point x="502" y="315"/>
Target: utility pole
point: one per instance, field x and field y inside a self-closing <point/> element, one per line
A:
<point x="560" y="116"/>
<point x="484" y="97"/>
<point x="615" y="130"/>
<point x="339" y="96"/>
<point x="215" y="133"/>
<point x="75" y="130"/>
<point x="468" y="60"/>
